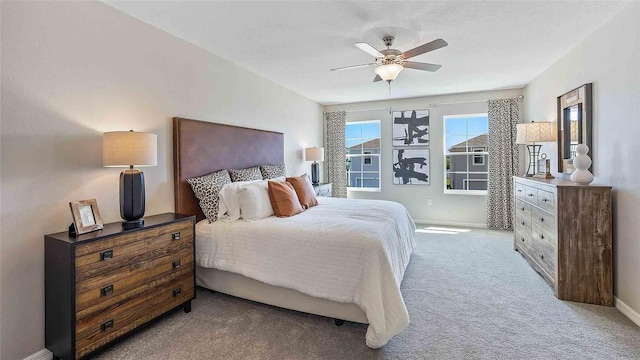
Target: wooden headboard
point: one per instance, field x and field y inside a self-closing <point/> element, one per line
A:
<point x="201" y="147"/>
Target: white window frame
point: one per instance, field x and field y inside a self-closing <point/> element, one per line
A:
<point x="471" y="152"/>
<point x="364" y="173"/>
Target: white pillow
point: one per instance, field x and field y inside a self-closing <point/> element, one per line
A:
<point x="229" y="208"/>
<point x="254" y="200"/>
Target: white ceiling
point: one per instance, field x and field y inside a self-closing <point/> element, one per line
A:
<point x="492" y="45"/>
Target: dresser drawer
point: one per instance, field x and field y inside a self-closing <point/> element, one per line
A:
<point x="120" y="318"/>
<point x="520" y="191"/>
<point x="97" y="258"/>
<point x="96" y="294"/>
<point x="523" y="239"/>
<point x="543" y="250"/>
<point x="544" y="220"/>
<point x="523" y="209"/>
<point x="546" y="200"/>
<point x="531" y="194"/>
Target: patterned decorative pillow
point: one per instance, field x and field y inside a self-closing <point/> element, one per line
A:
<point x="206" y="189"/>
<point x="273" y="171"/>
<point x="248" y="174"/>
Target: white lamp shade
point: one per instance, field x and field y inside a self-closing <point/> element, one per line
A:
<point x="314" y="154"/>
<point x="126" y="148"/>
<point x="536" y="132"/>
<point x="388" y="72"/>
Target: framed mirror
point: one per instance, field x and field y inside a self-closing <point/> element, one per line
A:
<point x="574" y="126"/>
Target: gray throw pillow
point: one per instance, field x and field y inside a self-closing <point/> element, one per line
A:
<point x="273" y="171"/>
<point x="206" y="189"/>
<point x="248" y="174"/>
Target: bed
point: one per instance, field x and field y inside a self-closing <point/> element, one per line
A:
<point x="343" y="259"/>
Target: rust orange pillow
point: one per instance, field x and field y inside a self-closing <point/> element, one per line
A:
<point x="284" y="199"/>
<point x="305" y="191"/>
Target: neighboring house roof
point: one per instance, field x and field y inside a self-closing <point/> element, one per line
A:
<point x="371" y="144"/>
<point x="478" y="141"/>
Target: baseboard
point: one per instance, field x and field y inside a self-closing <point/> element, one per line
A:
<point x="627" y="310"/>
<point x="43" y="354"/>
<point x="450" y="223"/>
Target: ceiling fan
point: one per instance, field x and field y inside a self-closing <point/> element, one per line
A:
<point x="390" y="62"/>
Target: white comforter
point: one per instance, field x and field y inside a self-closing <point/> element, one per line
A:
<point x="345" y="250"/>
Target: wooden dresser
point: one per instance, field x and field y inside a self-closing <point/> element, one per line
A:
<point x="102" y="285"/>
<point x="564" y="230"/>
<point x="324" y="189"/>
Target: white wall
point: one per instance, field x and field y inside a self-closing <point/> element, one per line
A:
<point x="73" y="70"/>
<point x="610" y="59"/>
<point x="445" y="208"/>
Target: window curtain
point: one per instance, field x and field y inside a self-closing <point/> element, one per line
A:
<point x="504" y="114"/>
<point x="335" y="152"/>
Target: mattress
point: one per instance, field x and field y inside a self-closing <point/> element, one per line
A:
<point x="343" y="250"/>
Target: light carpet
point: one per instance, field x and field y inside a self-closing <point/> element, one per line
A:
<point x="469" y="296"/>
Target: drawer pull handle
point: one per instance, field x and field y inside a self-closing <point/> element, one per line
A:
<point x="175" y="236"/>
<point x="519" y="190"/>
<point x="106" y="325"/>
<point x="176" y="264"/>
<point x="106" y="255"/>
<point x="541" y="218"/>
<point x="541" y="236"/>
<point x="107" y="290"/>
<point x="522" y="208"/>
<point x="530" y="195"/>
<point x="177" y="291"/>
<point x="544" y="200"/>
<point x="523" y="223"/>
<point x="541" y="256"/>
<point x="522" y="238"/>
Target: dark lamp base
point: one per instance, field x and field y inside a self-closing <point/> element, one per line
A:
<point x="315" y="173"/>
<point x="133" y="224"/>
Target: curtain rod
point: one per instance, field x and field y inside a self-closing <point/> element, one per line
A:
<point x="350" y="111"/>
<point x="430" y="104"/>
<point x="466" y="102"/>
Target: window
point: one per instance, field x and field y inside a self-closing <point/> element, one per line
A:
<point x="362" y="142"/>
<point x="478" y="159"/>
<point x="466" y="154"/>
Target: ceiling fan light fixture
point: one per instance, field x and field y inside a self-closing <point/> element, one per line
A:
<point x="388" y="72"/>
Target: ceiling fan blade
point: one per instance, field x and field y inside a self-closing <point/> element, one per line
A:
<point x="352" y="67"/>
<point x="430" y="46"/>
<point x="369" y="49"/>
<point x="377" y="78"/>
<point x="421" y="66"/>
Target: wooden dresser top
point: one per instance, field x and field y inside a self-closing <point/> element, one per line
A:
<point x="556" y="182"/>
<point x="115" y="228"/>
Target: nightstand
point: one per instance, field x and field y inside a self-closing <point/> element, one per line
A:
<point x="102" y="285"/>
<point x="323" y="189"/>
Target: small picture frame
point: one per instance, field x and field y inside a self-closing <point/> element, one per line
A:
<point x="544" y="169"/>
<point x="86" y="216"/>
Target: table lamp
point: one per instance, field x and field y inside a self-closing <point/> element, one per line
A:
<point x="314" y="154"/>
<point x="129" y="149"/>
<point x="532" y="133"/>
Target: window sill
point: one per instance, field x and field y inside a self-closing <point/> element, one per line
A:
<point x="364" y="189"/>
<point x="466" y="192"/>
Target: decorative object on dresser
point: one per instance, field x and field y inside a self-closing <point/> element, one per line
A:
<point x="564" y="230"/>
<point x="102" y="285"/>
<point x="129" y="149"/>
<point x="314" y="154"/>
<point x="543" y="170"/>
<point x="582" y="163"/>
<point x="574" y="125"/>
<point x="324" y="189"/>
<point x="532" y="133"/>
<point x="86" y="216"/>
